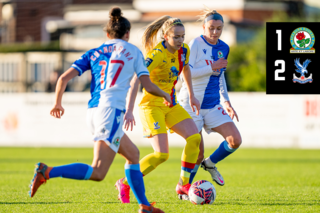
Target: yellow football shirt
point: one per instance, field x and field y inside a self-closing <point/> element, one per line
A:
<point x="164" y="68"/>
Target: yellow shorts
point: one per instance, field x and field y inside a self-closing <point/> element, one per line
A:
<point x="156" y="120"/>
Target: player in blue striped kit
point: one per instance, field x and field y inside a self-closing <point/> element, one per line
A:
<point x="208" y="61"/>
<point x="112" y="66"/>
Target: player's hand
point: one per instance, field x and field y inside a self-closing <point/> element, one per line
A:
<point x="167" y="100"/>
<point x="128" y="120"/>
<point x="231" y="112"/>
<point x="217" y="65"/>
<point x="194" y="102"/>
<point x="57" y="111"/>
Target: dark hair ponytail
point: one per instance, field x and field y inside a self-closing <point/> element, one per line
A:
<point x="117" y="25"/>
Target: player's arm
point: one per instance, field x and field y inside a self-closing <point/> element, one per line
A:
<point x="206" y="70"/>
<point x="57" y="111"/>
<point x="154" y="89"/>
<point x="224" y="92"/>
<point x="128" y="118"/>
<point x="186" y="74"/>
<point x="193" y="59"/>
<point x="209" y="69"/>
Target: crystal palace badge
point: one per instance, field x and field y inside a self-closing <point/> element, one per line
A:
<point x="302" y="69"/>
<point x="302" y="40"/>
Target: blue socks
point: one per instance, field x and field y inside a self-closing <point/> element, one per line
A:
<point x="135" y="180"/>
<point x="78" y="171"/>
<point x="223" y="151"/>
<point x="193" y="173"/>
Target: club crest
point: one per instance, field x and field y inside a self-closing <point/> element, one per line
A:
<point x="156" y="125"/>
<point x="302" y="40"/>
<point x="220" y="54"/>
<point x="183" y="57"/>
<point x="116" y="141"/>
<point x="302" y="69"/>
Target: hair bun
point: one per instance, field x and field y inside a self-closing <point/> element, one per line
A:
<point x="214" y="11"/>
<point x="115" y="13"/>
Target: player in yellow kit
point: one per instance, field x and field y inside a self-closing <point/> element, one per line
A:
<point x="165" y="62"/>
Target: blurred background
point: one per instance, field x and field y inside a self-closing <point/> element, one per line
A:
<point x="40" y="39"/>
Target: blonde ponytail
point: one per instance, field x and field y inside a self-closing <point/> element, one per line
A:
<point x="164" y="23"/>
<point x="205" y="13"/>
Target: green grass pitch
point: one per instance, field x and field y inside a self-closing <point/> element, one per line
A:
<point x="257" y="180"/>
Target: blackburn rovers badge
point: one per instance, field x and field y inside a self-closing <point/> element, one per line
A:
<point x="302" y="40"/>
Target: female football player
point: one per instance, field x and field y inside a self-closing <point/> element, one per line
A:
<point x="112" y="65"/>
<point x="165" y="61"/>
<point x="208" y="61"/>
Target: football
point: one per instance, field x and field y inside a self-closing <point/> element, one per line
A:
<point x="202" y="192"/>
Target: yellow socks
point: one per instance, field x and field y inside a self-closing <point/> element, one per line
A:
<point x="189" y="157"/>
<point x="150" y="162"/>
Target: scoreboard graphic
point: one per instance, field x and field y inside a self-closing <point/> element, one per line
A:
<point x="293" y="58"/>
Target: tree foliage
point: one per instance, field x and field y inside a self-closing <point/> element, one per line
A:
<point x="246" y="69"/>
<point x="247" y="65"/>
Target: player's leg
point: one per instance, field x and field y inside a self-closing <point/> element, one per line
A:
<point x="180" y="122"/>
<point x="220" y="122"/>
<point x="103" y="157"/>
<point x="160" y="154"/>
<point x="154" y="126"/>
<point x="133" y="174"/>
<point x="199" y="121"/>
<point x="104" y="152"/>
<point x="199" y="160"/>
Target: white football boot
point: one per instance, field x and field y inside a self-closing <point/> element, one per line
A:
<point x="215" y="174"/>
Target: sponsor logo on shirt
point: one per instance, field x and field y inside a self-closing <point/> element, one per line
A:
<point x="156" y="125"/>
<point x="148" y="61"/>
<point x="166" y="81"/>
<point x="205" y="51"/>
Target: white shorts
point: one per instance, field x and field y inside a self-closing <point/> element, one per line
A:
<point x="105" y="123"/>
<point x="209" y="118"/>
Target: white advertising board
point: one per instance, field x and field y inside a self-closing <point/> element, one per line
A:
<point x="275" y="121"/>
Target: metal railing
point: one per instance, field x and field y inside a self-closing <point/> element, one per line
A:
<point x="34" y="72"/>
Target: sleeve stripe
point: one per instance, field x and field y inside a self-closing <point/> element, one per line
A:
<point x="143" y="73"/>
<point x="76" y="67"/>
<point x="158" y="49"/>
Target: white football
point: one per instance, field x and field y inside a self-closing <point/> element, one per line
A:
<point x="202" y="192"/>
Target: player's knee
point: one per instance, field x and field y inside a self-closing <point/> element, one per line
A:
<point x="136" y="155"/>
<point x="200" y="157"/>
<point x="235" y="141"/>
<point x="97" y="175"/>
<point x="161" y="157"/>
<point x="194" y="140"/>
